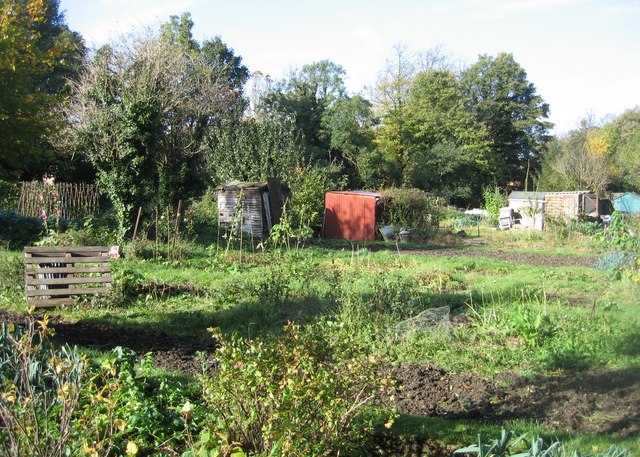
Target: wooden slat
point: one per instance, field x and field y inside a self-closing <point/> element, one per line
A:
<point x="52" y="281"/>
<point x="65" y="249"/>
<point x="37" y="302"/>
<point x="38" y="278"/>
<point x="65" y="260"/>
<point x="75" y="270"/>
<point x="75" y="291"/>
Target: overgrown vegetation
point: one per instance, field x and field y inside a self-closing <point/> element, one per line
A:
<point x="352" y="308"/>
<point x="306" y="331"/>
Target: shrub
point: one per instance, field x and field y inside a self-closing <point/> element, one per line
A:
<point x="291" y="395"/>
<point x="57" y="402"/>
<point x="17" y="231"/>
<point x="9" y="195"/>
<point x="11" y="272"/>
<point x="412" y="209"/>
<point x="204" y="216"/>
<point x="378" y="295"/>
<point x="624" y="231"/>
<point x="494" y="199"/>
<point x="308" y="186"/>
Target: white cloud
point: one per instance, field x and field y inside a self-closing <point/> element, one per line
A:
<point x="125" y="16"/>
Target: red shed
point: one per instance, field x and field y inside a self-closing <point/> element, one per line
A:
<point x="350" y="215"/>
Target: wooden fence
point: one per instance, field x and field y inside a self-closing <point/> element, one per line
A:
<point x="64" y="200"/>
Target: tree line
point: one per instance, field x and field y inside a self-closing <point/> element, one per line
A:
<point x="157" y="116"/>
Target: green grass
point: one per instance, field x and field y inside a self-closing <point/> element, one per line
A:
<point x="460" y="433"/>
<point x="506" y="316"/>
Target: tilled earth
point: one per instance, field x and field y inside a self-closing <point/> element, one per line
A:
<point x="593" y="401"/>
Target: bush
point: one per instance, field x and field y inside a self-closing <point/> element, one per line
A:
<point x="55" y="401"/>
<point x="11" y="275"/>
<point x="494" y="199"/>
<point x="17" y="231"/>
<point x="204" y="216"/>
<point x="412" y="209"/>
<point x="308" y="186"/>
<point x="9" y="195"/>
<point x="291" y="395"/>
<point x="624" y="231"/>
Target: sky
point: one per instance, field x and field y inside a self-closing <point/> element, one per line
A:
<point x="583" y="56"/>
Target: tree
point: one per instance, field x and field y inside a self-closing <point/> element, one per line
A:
<point x="140" y="112"/>
<point x="38" y="53"/>
<point x="626" y="150"/>
<point x="390" y="96"/>
<point x="448" y="149"/>
<point x="348" y="124"/>
<point x="304" y="97"/>
<point x="578" y="162"/>
<point x="506" y="103"/>
<point x="254" y="149"/>
<point x="597" y="156"/>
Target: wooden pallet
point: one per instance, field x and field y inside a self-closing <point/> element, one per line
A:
<point x="58" y="275"/>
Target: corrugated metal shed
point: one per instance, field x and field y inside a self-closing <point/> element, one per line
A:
<point x="350" y="215"/>
<point x="629" y="202"/>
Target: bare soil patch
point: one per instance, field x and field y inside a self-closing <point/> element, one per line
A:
<point x="593" y="401"/>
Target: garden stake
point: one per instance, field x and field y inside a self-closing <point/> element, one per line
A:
<point x="176" y="228"/>
<point x="135" y="230"/>
<point x="155" y="247"/>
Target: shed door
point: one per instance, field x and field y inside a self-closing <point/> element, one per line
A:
<point x="350" y="217"/>
<point x="590" y="205"/>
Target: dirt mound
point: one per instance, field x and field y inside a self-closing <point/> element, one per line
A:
<point x="597" y="401"/>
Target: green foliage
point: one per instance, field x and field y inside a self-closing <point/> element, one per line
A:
<point x="291" y="395"/>
<point x="512" y="444"/>
<point x="56" y="402"/>
<point x="308" y="187"/>
<point x="38" y="53"/>
<point x="11" y="276"/>
<point x="145" y="108"/>
<point x="412" y="209"/>
<point x="9" y="195"/>
<point x="283" y="234"/>
<point x="506" y="104"/>
<point x="86" y="232"/>
<point x="204" y="216"/>
<point x="254" y="149"/>
<point x="494" y="199"/>
<point x="305" y="97"/>
<point x="446" y="149"/>
<point x="565" y="229"/>
<point x="126" y="283"/>
<point x="384" y="295"/>
<point x="623" y="232"/>
<point x="595" y="156"/>
<point x="533" y="326"/>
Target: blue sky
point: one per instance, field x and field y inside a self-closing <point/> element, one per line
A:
<point x="583" y="56"/>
